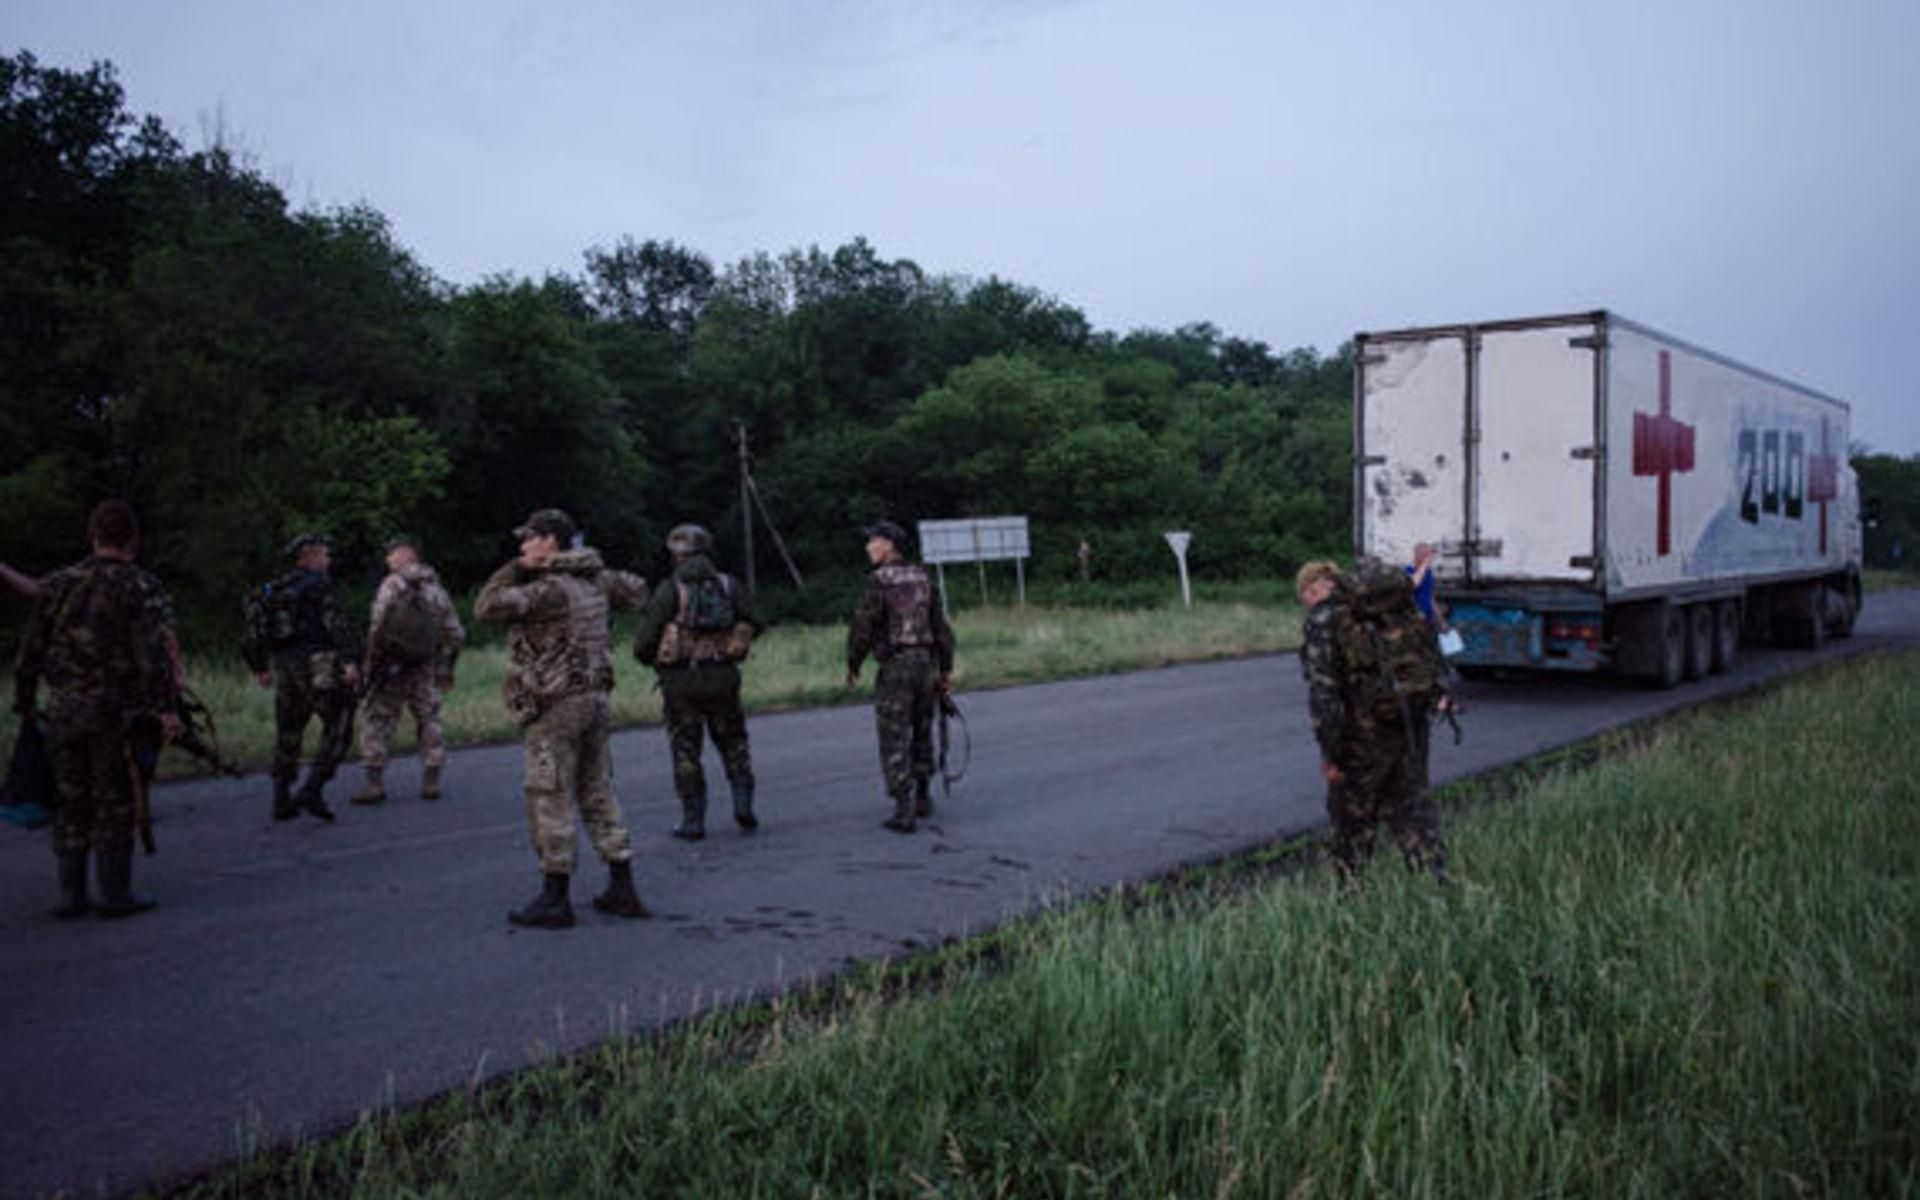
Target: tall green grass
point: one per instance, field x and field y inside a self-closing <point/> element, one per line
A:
<point x="1691" y="971"/>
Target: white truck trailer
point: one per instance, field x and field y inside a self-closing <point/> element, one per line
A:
<point x="1603" y="496"/>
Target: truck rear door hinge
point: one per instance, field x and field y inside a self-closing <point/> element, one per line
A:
<point x="1593" y="341"/>
<point x="1590" y="562"/>
<point x="1584" y="453"/>
<point x="1374" y="460"/>
<point x="1373" y="360"/>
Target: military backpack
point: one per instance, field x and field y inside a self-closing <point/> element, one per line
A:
<point x="1394" y="668"/>
<point x="706" y="627"/>
<point x="409" y="630"/>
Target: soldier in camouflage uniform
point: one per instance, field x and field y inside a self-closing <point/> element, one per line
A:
<point x="700" y="676"/>
<point x="1375" y="770"/>
<point x="101" y="637"/>
<point x="901" y="622"/>
<point x="555" y="601"/>
<point x="300" y="643"/>
<point x="400" y="675"/>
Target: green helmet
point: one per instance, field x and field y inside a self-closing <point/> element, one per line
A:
<point x="689" y="539"/>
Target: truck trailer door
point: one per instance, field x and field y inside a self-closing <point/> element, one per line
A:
<point x="1534" y="465"/>
<point x="1410" y="475"/>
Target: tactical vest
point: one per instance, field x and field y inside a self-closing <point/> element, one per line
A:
<point x="908" y="595"/>
<point x="288" y="613"/>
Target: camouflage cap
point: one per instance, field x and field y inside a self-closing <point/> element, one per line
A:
<point x="547" y="521"/>
<point x="887" y="530"/>
<point x="689" y="539"/>
<point x="298" y="543"/>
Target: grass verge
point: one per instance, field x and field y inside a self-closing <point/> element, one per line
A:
<point x="1688" y="969"/>
<point x="795" y="667"/>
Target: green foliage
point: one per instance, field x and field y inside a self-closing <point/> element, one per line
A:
<point x="172" y="331"/>
<point x="1890" y="500"/>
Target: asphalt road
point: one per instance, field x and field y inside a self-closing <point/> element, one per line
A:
<point x="298" y="975"/>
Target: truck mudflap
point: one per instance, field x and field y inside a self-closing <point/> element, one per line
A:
<point x="1497" y="635"/>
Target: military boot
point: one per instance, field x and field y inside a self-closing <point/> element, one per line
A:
<point x="550" y="909"/>
<point x="284" y="809"/>
<point x="743" y="807"/>
<point x="902" y="819"/>
<point x="373" y="791"/>
<point x="923" y="797"/>
<point x="307" y="799"/>
<point x="73" y="885"/>
<point x="430" y="784"/>
<point x="620" y="899"/>
<point x="693" y="819"/>
<point x="117" y="897"/>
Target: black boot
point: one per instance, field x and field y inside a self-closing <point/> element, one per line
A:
<point x="923" y="797"/>
<point x="284" y="809"/>
<point x="693" y="819"/>
<point x="902" y="819"/>
<point x="307" y="799"/>
<point x="743" y="807"/>
<point x="620" y="899"/>
<point x="117" y="897"/>
<point x="73" y="885"/>
<point x="549" y="910"/>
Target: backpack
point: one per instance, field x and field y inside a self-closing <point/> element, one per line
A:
<point x="276" y="611"/>
<point x="706" y="605"/>
<point x="409" y="630"/>
<point x="1394" y="668"/>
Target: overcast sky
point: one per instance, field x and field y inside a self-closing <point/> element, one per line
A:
<point x="1742" y="174"/>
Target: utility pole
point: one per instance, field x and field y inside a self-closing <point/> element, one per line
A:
<point x="746" y="501"/>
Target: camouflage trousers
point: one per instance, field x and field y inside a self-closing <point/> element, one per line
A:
<point x="93" y="780"/>
<point x="698" y="700"/>
<point x="1386" y="782"/>
<point x="566" y="751"/>
<point x="411" y="689"/>
<point x="903" y="710"/>
<point x="305" y="688"/>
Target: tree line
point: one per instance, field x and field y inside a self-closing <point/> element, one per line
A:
<point x="174" y="332"/>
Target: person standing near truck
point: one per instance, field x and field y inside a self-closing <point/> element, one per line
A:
<point x="1373" y="675"/>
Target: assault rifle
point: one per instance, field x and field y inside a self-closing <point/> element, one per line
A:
<point x="198" y="736"/>
<point x="950" y="712"/>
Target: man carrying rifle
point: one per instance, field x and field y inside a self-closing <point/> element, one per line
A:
<point x="101" y="637"/>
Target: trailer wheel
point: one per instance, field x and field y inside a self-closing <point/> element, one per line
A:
<point x="1700" y="637"/>
<point x="1726" y="635"/>
<point x="1845" y="607"/>
<point x="1672" y="663"/>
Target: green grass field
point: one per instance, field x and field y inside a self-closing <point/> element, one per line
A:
<point x="1689" y="970"/>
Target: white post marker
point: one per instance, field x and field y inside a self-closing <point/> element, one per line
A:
<point x="1179" y="541"/>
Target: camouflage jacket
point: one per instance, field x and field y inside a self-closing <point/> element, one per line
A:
<point x="901" y="607"/>
<point x="297" y="615"/>
<point x="453" y="635"/>
<point x="99" y="637"/>
<point x="1324" y="669"/>
<point x="558" y="626"/>
<point x="664" y="608"/>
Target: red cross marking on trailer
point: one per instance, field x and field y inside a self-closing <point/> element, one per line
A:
<point x="1823" y="480"/>
<point x="1663" y="446"/>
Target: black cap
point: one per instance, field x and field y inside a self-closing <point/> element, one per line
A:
<point x="546" y="521"/>
<point x="298" y="543"/>
<point x="889" y="531"/>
